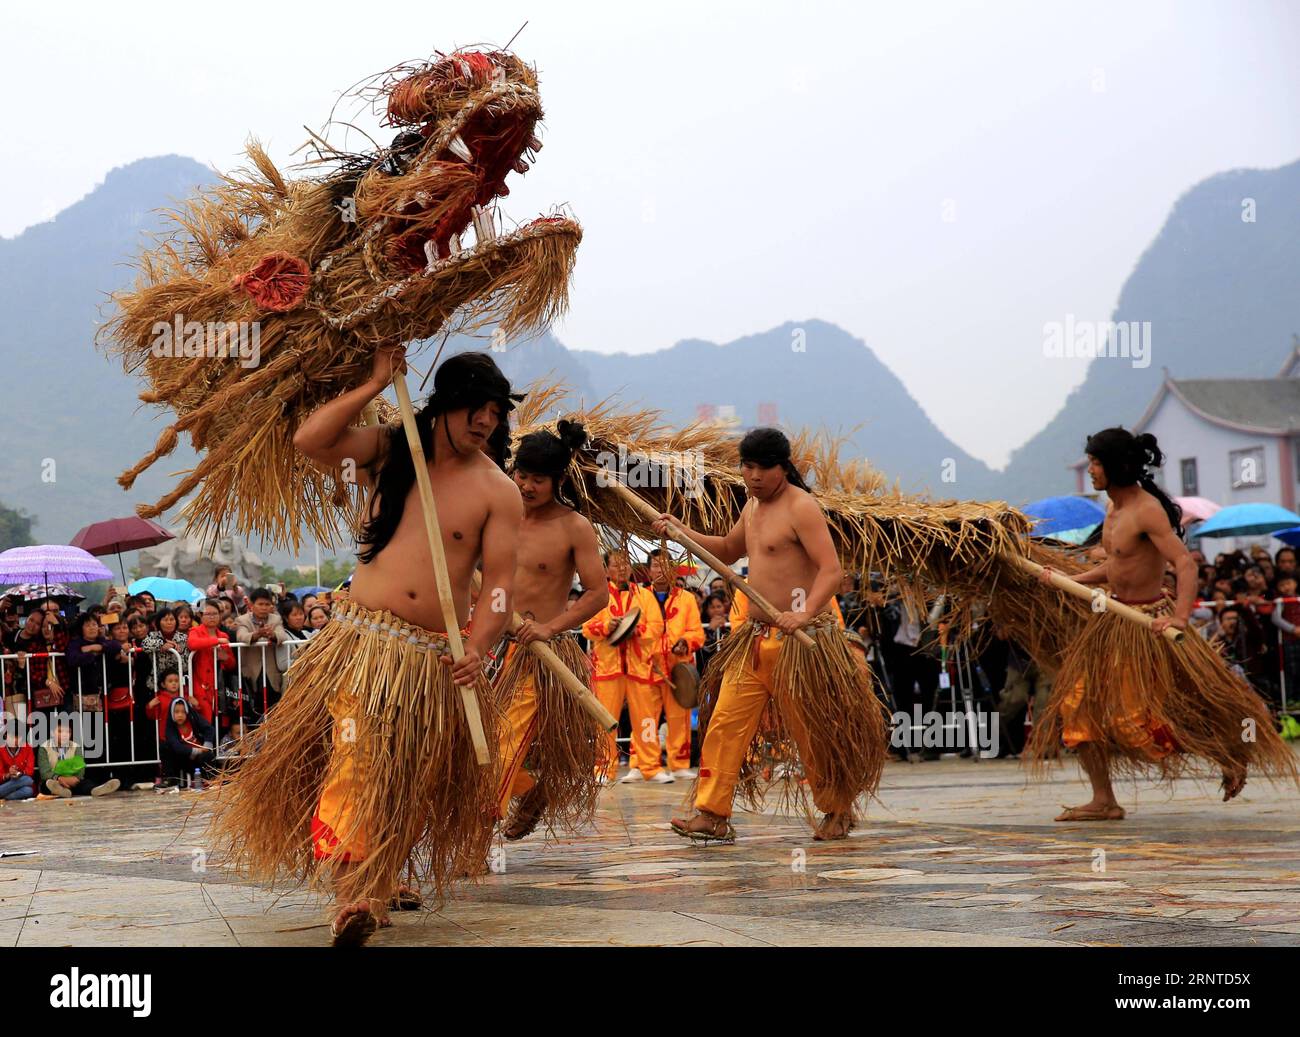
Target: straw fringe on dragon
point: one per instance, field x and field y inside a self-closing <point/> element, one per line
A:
<point x="329" y="267"/>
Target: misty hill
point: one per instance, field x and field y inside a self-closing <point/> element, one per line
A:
<point x="801" y="373"/>
<point x="64" y="402"/>
<point x="1221" y="297"/>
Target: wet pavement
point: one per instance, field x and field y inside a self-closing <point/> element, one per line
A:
<point x="955" y="853"/>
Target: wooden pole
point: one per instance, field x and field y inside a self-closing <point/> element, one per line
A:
<point x="468" y="696"/>
<point x="1079" y="590"/>
<point x="567" y="677"/>
<point x="683" y="537"/>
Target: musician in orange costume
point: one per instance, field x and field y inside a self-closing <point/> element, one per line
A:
<point x="683" y="636"/>
<point x="624" y="672"/>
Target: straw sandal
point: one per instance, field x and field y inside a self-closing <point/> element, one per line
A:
<point x="405" y="899"/>
<point x="526" y="815"/>
<point x="722" y="830"/>
<point x="356" y="929"/>
<point x="1232" y="784"/>
<point x="834" y="826"/>
<point x="1087" y="813"/>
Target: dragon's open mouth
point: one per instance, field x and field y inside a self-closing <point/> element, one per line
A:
<point x="490" y="134"/>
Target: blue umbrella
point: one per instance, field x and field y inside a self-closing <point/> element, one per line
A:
<point x="300" y="592"/>
<point x="1062" y="514"/>
<point x="1290" y="537"/>
<point x="1240" y="520"/>
<point x="164" y="589"/>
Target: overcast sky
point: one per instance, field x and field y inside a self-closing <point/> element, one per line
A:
<point x="939" y="179"/>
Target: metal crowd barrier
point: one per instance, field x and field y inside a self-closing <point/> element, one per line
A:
<point x="221" y="677"/>
<point x="62" y="708"/>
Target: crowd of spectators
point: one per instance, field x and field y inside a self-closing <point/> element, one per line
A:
<point x="1247" y="602"/>
<point x="166" y="683"/>
<point x="173" y="690"/>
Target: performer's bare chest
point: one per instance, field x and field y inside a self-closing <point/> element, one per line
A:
<point x="544" y="569"/>
<point x="1122" y="537"/>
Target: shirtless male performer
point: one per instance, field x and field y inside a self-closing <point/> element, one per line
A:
<point x="1124" y="695"/>
<point x="362" y="821"/>
<point x="544" y="724"/>
<point x="793" y="564"/>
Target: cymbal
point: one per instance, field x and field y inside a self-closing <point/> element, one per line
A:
<point x="626" y="625"/>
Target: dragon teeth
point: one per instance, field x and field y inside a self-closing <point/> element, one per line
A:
<point x="454" y="246"/>
<point x="460" y="149"/>
<point x="484" y="226"/>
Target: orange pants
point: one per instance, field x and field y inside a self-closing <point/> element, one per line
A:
<point x="1133" y="728"/>
<point x="516" y="737"/>
<point x="745" y="692"/>
<point x="640" y="698"/>
<point x="679" y="727"/>
<point x="333" y="821"/>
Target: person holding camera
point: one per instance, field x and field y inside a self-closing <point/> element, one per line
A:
<point x="224" y="585"/>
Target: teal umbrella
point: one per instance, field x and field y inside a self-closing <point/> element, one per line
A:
<point x="164" y="589"/>
<point x="1241" y="520"/>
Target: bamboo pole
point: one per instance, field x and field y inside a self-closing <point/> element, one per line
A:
<point x="468" y="696"/>
<point x="567" y="677"/>
<point x="683" y="537"/>
<point x="1078" y="590"/>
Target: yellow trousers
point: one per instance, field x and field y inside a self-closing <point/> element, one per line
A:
<point x="336" y="832"/>
<point x="679" y="728"/>
<point x="745" y="692"/>
<point x="640" y="699"/>
<point x="516" y="736"/>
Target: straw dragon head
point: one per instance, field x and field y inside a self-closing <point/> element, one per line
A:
<point x="269" y="296"/>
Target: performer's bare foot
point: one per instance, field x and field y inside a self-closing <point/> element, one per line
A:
<point x="1233" y="782"/>
<point x="834" y="826"/>
<point x="705" y="827"/>
<point x="353" y="925"/>
<point x="1093" y="811"/>
<point x="526" y="815"/>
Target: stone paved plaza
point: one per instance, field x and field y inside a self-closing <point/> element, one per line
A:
<point x="956" y="853"/>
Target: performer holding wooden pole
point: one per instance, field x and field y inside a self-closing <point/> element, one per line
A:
<point x="824" y="700"/>
<point x="549" y="746"/>
<point x="1124" y="698"/>
<point x="367" y="765"/>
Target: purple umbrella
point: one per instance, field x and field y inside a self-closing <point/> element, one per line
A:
<point x="51" y="561"/>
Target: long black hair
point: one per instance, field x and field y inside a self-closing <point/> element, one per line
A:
<point x="1127" y="459"/>
<point x="767" y="448"/>
<point x="467" y="381"/>
<point x="550" y="453"/>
